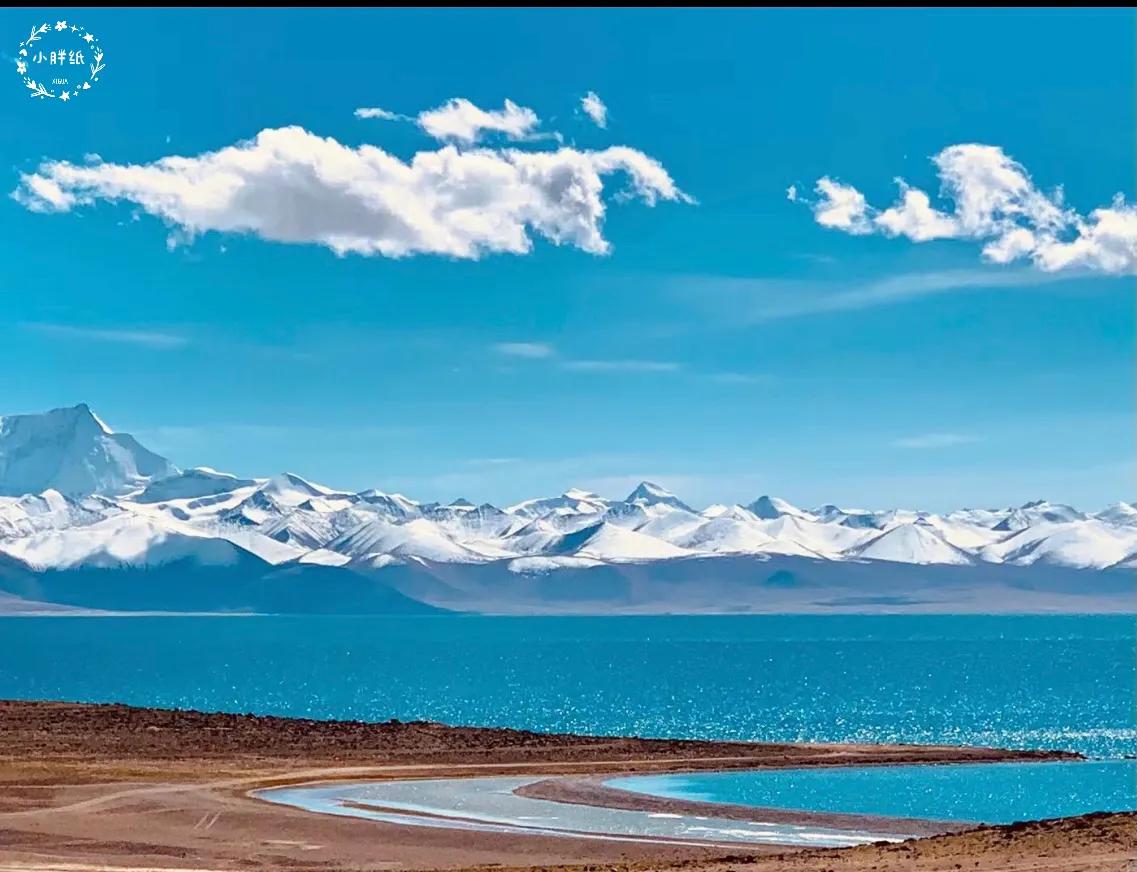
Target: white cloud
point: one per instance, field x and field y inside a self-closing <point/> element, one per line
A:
<point x="935" y="440"/>
<point x="376" y="112"/>
<point x="595" y="109"/>
<point x="1107" y="240"/>
<point x="459" y="120"/>
<point x="841" y="207"/>
<point x="791" y="193"/>
<point x="145" y="338"/>
<point x="994" y="201"/>
<point x="915" y="218"/>
<point x="531" y="350"/>
<point x="290" y="185"/>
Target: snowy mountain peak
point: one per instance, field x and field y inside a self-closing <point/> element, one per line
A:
<point x="917" y="542"/>
<point x="1119" y="513"/>
<point x="648" y="493"/>
<point x="83" y="413"/>
<point x="649" y="489"/>
<point x="72" y="451"/>
<point x="201" y="481"/>
<point x="291" y="489"/>
<point x="574" y="501"/>
<point x="769" y="508"/>
<point x="575" y="493"/>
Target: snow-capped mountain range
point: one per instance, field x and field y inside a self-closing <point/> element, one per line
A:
<point x="76" y="496"/>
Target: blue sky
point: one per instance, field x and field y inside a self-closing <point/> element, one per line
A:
<point x="726" y="347"/>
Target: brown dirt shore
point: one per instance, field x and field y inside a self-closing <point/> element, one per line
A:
<point x="92" y="788"/>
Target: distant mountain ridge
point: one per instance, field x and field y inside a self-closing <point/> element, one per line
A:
<point x="78" y="499"/>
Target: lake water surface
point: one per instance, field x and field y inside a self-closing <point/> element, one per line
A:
<point x="1025" y="682"/>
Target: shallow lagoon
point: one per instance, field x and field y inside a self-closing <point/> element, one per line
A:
<point x="996" y="793"/>
<point x="490" y="804"/>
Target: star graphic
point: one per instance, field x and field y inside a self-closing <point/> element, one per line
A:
<point x="89" y="38"/>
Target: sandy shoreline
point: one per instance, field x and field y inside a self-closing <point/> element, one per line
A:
<point x="87" y="788"/>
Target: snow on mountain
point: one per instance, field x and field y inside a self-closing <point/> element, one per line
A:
<point x="269" y="549"/>
<point x="1119" y="513"/>
<point x="118" y="504"/>
<point x="121" y="540"/>
<point x="648" y="494"/>
<point x="912" y="543"/>
<point x="471" y="520"/>
<point x="324" y="557"/>
<point x="305" y="530"/>
<point x="290" y="489"/>
<point x="201" y="481"/>
<point x="729" y="534"/>
<point x="827" y="540"/>
<point x="535" y="537"/>
<point x="259" y="507"/>
<point x="71" y="451"/>
<point x="661" y="520"/>
<point x="737" y="530"/>
<point x="988" y="518"/>
<point x="1037" y="512"/>
<point x="962" y="534"/>
<point x="768" y="508"/>
<point x="717" y="509"/>
<point x="737" y="512"/>
<point x="572" y="502"/>
<point x="856" y="518"/>
<point x="1084" y="544"/>
<point x="32" y="513"/>
<point x="418" y="537"/>
<point x="393" y="506"/>
<point x="607" y="542"/>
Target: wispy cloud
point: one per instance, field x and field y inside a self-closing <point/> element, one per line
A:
<point x="461" y="121"/>
<point x="935" y="440"/>
<point x="531" y="350"/>
<point x="621" y="365"/>
<point x="753" y="300"/>
<point x="741" y="378"/>
<point x="595" y="109"/>
<point x="492" y="461"/>
<point x="144" y="338"/>
<point x="370" y="112"/>
<point x="544" y="351"/>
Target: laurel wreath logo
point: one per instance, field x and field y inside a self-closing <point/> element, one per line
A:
<point x="88" y="54"/>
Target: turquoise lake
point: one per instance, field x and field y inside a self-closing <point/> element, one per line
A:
<point x="1017" y="681"/>
<point x="997" y="793"/>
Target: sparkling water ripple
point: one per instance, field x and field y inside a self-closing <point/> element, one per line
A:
<point x="1016" y="681"/>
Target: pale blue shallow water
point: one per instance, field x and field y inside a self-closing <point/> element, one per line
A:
<point x="1016" y="681"/>
<point x="491" y="804"/>
<point x="996" y="793"/>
